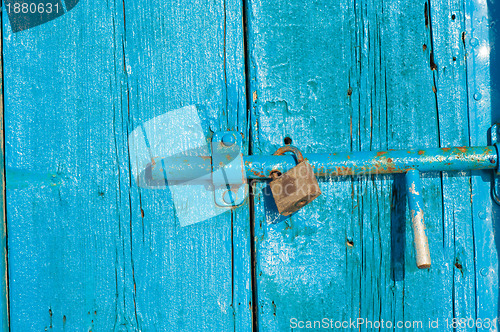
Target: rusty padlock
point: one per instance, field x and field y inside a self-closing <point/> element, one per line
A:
<point x="295" y="188"/>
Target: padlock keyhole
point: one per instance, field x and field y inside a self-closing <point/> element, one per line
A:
<point x="301" y="203"/>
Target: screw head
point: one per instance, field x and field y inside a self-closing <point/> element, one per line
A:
<point x="228" y="139"/>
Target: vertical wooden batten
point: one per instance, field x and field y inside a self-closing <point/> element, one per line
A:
<point x="4" y="280"/>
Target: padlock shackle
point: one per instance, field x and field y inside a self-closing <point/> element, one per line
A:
<point x="289" y="148"/>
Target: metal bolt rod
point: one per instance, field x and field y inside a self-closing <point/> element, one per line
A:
<point x="192" y="170"/>
<point x="381" y="162"/>
<point x="416" y="205"/>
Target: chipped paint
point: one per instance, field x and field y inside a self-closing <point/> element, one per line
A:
<point x="413" y="190"/>
<point x="415" y="203"/>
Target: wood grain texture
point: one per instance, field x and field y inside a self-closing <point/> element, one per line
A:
<point x="483" y="96"/>
<point x="446" y="24"/>
<point x="360" y="76"/>
<point x="88" y="249"/>
<point x="4" y="283"/>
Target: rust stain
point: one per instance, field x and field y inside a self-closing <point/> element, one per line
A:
<point x="389" y="160"/>
<point x="206" y="157"/>
<point x="342" y="170"/>
<point x="446" y="149"/>
<point x="153" y="162"/>
<point x="228" y="156"/>
<point x="459" y="266"/>
<point x="421" y="152"/>
<point x="391" y="169"/>
<point x="462" y="149"/>
<point x="381" y="153"/>
<point x="254" y="96"/>
<point x="378" y="169"/>
<point x="258" y="174"/>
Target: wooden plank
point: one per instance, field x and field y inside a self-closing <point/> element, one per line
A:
<point x="415" y="123"/>
<point x="374" y="75"/>
<point x="446" y="22"/>
<point x="88" y="249"/>
<point x="482" y="89"/>
<point x="4" y="283"/>
<point x="301" y="65"/>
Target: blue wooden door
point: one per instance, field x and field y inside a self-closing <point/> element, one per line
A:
<point x="374" y="75"/>
<point x="90" y="250"/>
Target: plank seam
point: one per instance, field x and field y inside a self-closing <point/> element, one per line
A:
<point x="251" y="198"/>
<point x="6" y="314"/>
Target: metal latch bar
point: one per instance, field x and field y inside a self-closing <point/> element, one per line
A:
<point x="259" y="167"/>
<point x="379" y="162"/>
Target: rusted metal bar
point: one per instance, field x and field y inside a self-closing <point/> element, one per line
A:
<point x="381" y="162"/>
<point x="182" y="169"/>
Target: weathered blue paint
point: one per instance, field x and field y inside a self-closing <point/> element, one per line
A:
<point x="88" y="249"/>
<point x="4" y="291"/>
